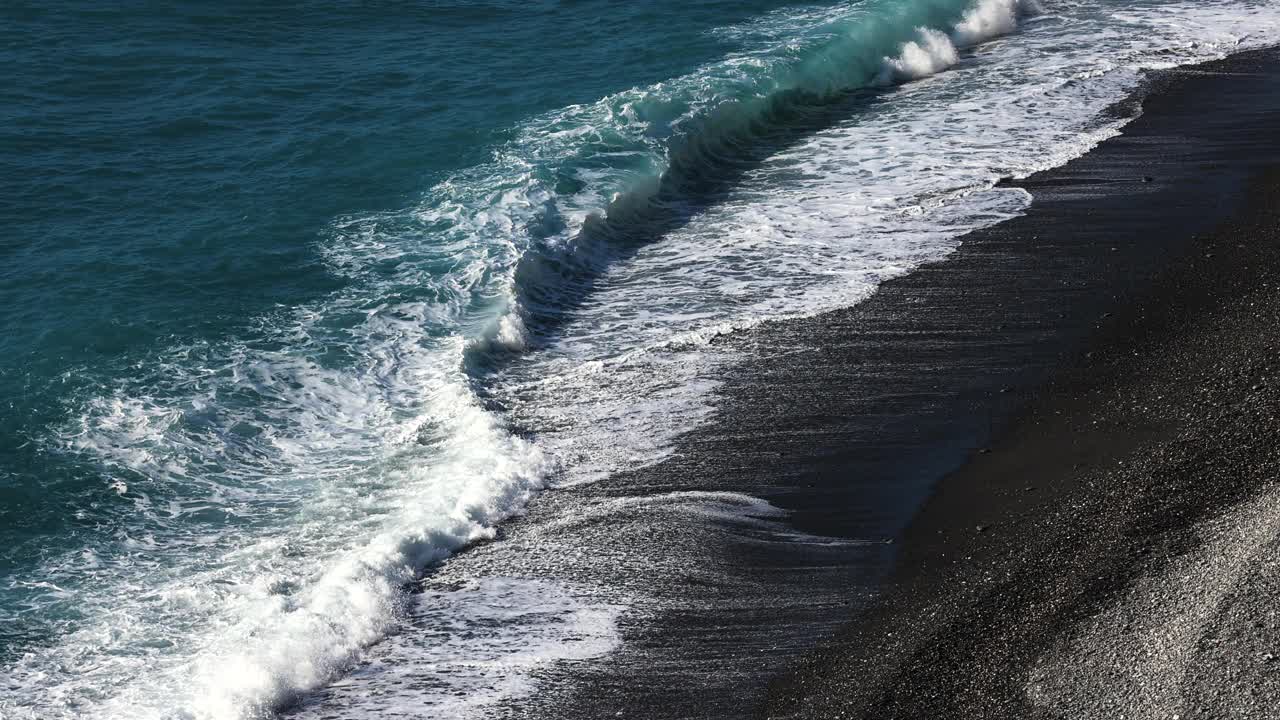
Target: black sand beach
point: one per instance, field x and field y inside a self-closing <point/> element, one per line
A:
<point x="1073" y="391"/>
<point x="1028" y="481"/>
<point x="1113" y="553"/>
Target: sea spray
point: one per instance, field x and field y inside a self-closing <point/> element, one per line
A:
<point x="934" y="50"/>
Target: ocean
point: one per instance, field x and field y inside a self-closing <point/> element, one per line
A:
<point x="301" y="301"/>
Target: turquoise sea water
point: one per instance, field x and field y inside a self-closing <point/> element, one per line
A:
<point x="169" y="174"/>
<point x="168" y="171"/>
<point x="300" y="300"/>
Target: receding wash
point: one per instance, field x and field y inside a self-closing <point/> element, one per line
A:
<point x="300" y="303"/>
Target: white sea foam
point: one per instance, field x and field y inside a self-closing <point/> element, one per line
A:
<point x="486" y="637"/>
<point x="936" y="50"/>
<point x="237" y="625"/>
<point x="992" y="18"/>
<point x="275" y="492"/>
<point x="932" y="53"/>
<point x="480" y="474"/>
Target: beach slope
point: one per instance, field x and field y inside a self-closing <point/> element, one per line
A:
<point x="1113" y="553"/>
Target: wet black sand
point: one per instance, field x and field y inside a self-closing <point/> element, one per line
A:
<point x="1131" y="295"/>
<point x="1100" y="559"/>
<point x="969" y="465"/>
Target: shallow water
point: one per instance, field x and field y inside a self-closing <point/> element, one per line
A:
<point x="301" y="303"/>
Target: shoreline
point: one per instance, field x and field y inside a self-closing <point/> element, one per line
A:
<point x="1106" y="556"/>
<point x="762" y="565"/>
<point x="852" y="421"/>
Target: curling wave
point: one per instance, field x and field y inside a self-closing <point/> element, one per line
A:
<point x="710" y="139"/>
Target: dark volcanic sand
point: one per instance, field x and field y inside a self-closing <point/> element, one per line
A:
<point x="1064" y="396"/>
<point x="1114" y="554"/>
<point x="1123" y="297"/>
